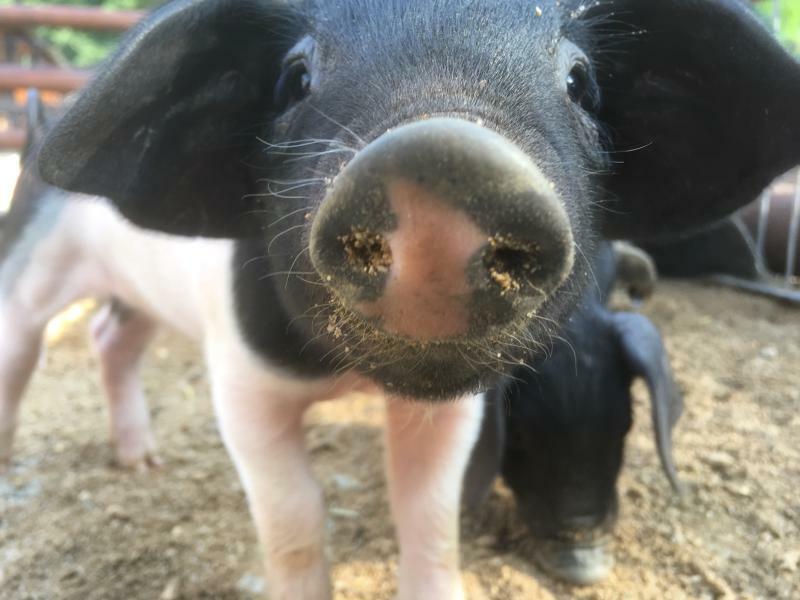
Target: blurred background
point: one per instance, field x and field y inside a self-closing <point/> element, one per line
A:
<point x="84" y="49"/>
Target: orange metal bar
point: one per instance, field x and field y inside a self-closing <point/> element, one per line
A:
<point x="12" y="139"/>
<point x="68" y="16"/>
<point x="45" y="78"/>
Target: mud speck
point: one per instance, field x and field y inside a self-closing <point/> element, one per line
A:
<point x="510" y="263"/>
<point x="504" y="280"/>
<point x="367" y="251"/>
<point x="334" y="327"/>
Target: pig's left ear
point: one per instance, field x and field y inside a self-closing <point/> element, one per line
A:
<point x="700" y="104"/>
<point x="168" y="126"/>
<point x="647" y="358"/>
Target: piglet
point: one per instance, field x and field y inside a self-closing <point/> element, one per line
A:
<point x="556" y="429"/>
<point x="399" y="196"/>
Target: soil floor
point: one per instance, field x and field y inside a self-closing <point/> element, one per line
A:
<point x="74" y="527"/>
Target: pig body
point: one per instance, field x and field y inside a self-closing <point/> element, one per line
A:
<point x="723" y="248"/>
<point x="67" y="249"/>
<point x="85" y="249"/>
<point x="556" y="430"/>
<point x="727" y="253"/>
<point x="402" y="196"/>
<point x="729" y="247"/>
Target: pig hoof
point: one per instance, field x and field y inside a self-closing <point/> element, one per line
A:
<point x="141" y="462"/>
<point x="578" y="565"/>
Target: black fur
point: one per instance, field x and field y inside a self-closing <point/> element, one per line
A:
<point x="700" y="106"/>
<point x="723" y="248"/>
<point x="557" y="430"/>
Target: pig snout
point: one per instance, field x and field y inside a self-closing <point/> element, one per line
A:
<point x="575" y="548"/>
<point x="576" y="563"/>
<point x="441" y="229"/>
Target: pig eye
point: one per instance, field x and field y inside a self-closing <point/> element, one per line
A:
<point x="580" y="86"/>
<point x="293" y="85"/>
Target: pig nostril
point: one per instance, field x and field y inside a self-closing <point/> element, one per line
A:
<point x="512" y="264"/>
<point x="367" y="251"/>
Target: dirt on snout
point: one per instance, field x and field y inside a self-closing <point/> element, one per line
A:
<point x="74" y="527"/>
<point x="366" y="251"/>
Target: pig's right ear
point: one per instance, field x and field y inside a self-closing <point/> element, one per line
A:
<point x="647" y="358"/>
<point x="166" y="128"/>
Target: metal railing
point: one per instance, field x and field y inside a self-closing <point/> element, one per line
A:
<point x="68" y="16"/>
<point x="45" y="74"/>
<point x="765" y="202"/>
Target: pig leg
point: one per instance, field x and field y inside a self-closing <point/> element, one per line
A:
<point x="20" y="346"/>
<point x="42" y="271"/>
<point x="120" y="337"/>
<point x="261" y="420"/>
<point x="428" y="449"/>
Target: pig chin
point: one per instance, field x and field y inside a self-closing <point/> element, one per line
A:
<point x="441" y="354"/>
<point x="431" y="370"/>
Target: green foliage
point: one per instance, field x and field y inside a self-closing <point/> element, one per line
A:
<point x="789" y="11"/>
<point x="83" y="48"/>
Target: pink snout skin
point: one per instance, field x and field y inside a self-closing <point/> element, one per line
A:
<point x="427" y="293"/>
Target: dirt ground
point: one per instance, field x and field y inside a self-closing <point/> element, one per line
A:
<point x="74" y="527"/>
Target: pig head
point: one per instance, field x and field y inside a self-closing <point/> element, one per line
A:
<point x="417" y="187"/>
